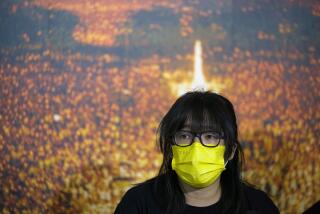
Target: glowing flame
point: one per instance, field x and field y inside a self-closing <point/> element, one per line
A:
<point x="56" y="117"/>
<point x="198" y="77"/>
<point x="198" y="80"/>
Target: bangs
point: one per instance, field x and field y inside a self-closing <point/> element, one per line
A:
<point x="200" y="117"/>
<point x="202" y="121"/>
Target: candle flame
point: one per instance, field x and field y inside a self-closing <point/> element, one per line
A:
<point x="198" y="77"/>
<point x="198" y="82"/>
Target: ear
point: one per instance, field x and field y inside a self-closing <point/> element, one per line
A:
<point x="234" y="149"/>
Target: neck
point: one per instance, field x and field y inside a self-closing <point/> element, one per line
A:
<point x="202" y="197"/>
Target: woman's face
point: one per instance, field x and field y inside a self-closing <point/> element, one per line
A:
<point x="198" y="155"/>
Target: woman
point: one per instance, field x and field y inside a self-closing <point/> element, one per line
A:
<point x="201" y="167"/>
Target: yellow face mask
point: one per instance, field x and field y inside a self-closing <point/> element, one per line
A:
<point x="197" y="165"/>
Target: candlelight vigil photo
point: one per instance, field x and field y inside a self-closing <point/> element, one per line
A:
<point x="160" y="107"/>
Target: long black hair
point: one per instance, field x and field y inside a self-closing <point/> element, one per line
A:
<point x="200" y="110"/>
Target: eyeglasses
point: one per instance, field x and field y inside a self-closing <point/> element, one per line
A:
<point x="208" y="138"/>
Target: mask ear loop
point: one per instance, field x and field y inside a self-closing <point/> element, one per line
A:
<point x="226" y="164"/>
<point x="234" y="150"/>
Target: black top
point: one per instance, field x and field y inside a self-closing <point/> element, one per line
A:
<point x="315" y="208"/>
<point x="140" y="200"/>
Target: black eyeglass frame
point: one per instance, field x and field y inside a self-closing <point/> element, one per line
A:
<point x="198" y="135"/>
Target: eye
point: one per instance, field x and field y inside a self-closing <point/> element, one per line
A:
<point x="211" y="136"/>
<point x="183" y="135"/>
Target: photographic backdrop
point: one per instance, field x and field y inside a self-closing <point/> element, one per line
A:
<point x="85" y="83"/>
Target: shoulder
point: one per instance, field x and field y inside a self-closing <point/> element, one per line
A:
<point x="138" y="199"/>
<point x="259" y="201"/>
<point x="145" y="187"/>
